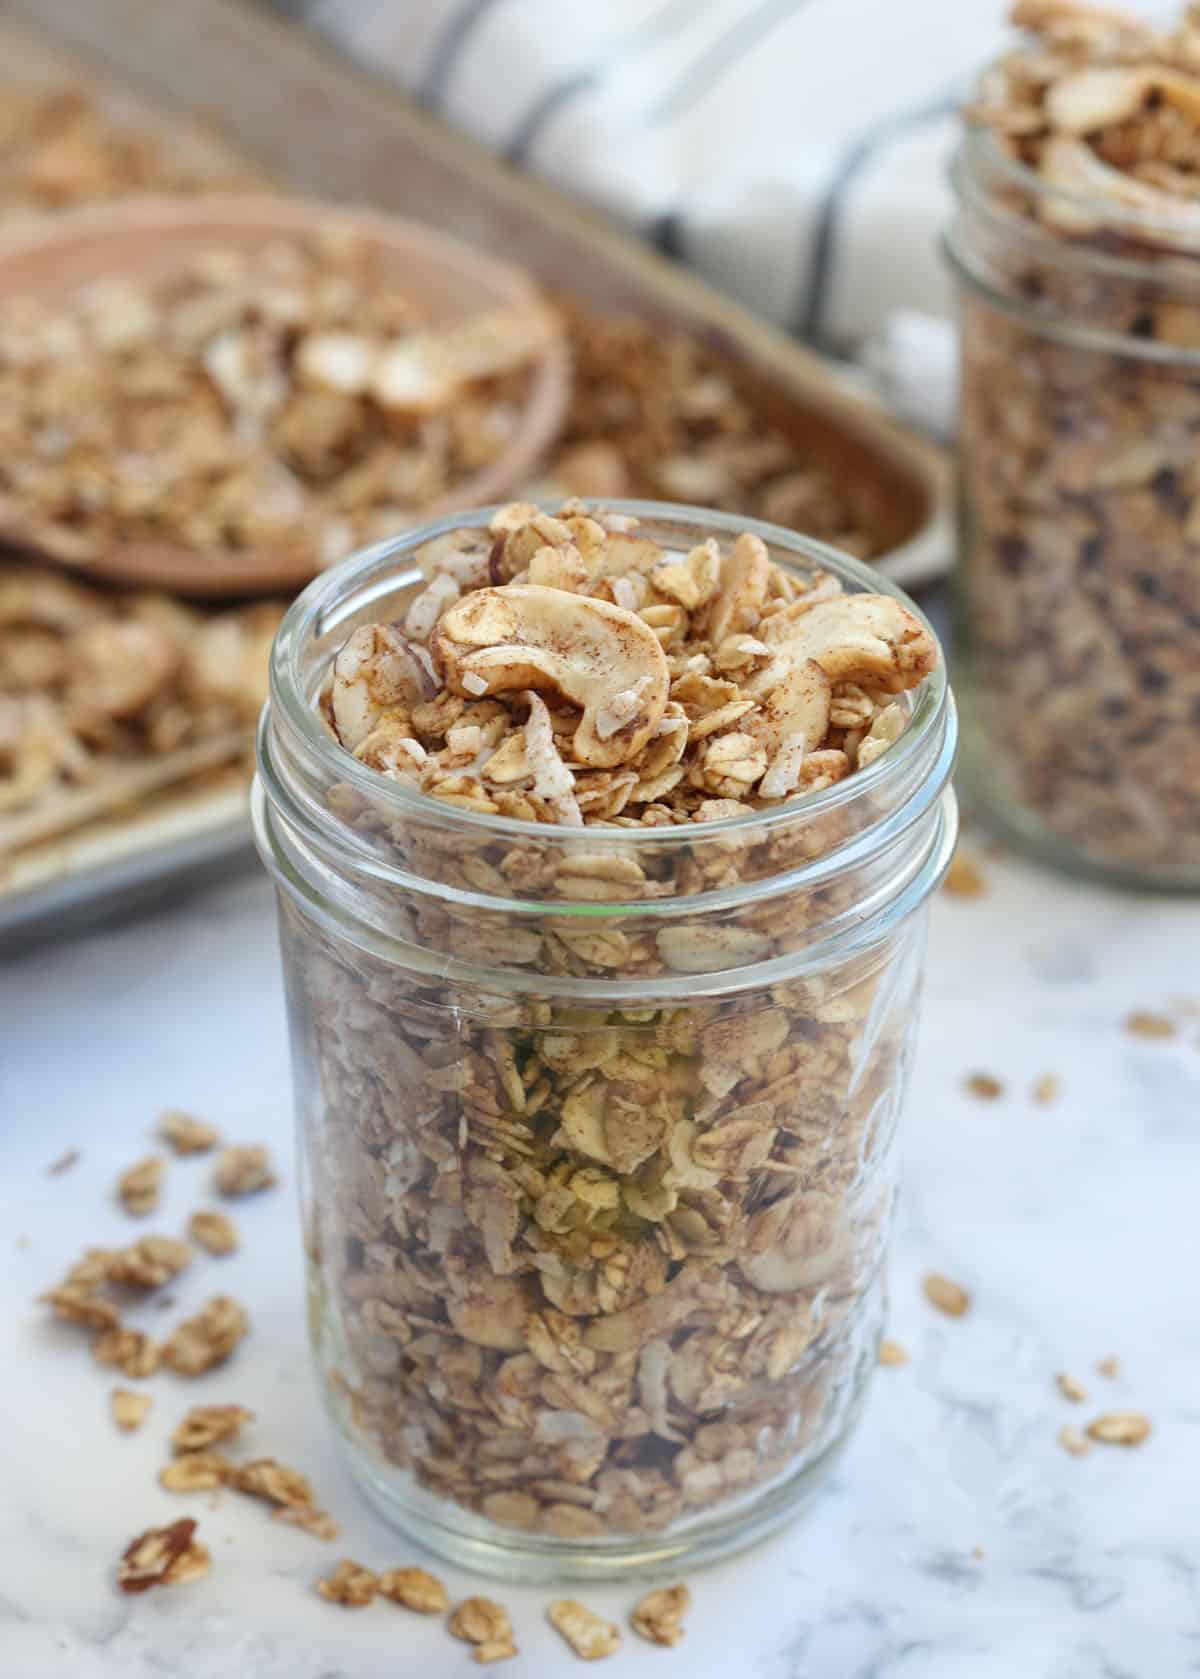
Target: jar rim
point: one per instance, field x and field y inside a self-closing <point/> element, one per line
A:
<point x="332" y="597"/>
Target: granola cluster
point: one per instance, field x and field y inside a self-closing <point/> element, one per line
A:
<point x="594" y="1266"/>
<point x="294" y="400"/>
<point x="1080" y="414"/>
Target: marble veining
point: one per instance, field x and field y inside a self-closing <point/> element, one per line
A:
<point x="956" y="1541"/>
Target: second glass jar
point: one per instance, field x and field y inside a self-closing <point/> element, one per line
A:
<point x="1078" y="578"/>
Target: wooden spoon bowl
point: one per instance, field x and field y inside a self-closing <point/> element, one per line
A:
<point x="145" y="239"/>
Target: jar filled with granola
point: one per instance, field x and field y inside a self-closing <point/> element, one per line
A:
<point x="602" y="843"/>
<point x="1076" y="245"/>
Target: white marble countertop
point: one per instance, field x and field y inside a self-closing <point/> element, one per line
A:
<point x="957" y="1541"/>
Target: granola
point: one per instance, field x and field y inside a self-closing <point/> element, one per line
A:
<point x="243" y="1170"/>
<point x="96" y="684"/>
<point x="664" y="416"/>
<point x="1119" y="1428"/>
<point x="1079" y="408"/>
<point x="350" y="1584"/>
<point x="149" y="1263"/>
<point x="292" y="398"/>
<point x="589" y="1635"/>
<point x="61" y="148"/>
<point x="129" y="1409"/>
<point x="591" y="1267"/>
<point x="140" y="1187"/>
<point x="1073" y="1440"/>
<point x="185" y="1133"/>
<point x="275" y="1482"/>
<point x="986" y="1086"/>
<point x="208" y="1425"/>
<point x="308" y="1519"/>
<point x="215" y="1232"/>
<point x="485" y="1624"/>
<point x="207" y="1340"/>
<point x="163" y="1556"/>
<point x="580" y="689"/>
<point x="659" y="1615"/>
<point x="415" y="1588"/>
<point x="949" y="1297"/>
<point x="131" y="1351"/>
<point x="196" y="1472"/>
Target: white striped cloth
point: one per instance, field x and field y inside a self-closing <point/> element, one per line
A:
<point x="792" y="150"/>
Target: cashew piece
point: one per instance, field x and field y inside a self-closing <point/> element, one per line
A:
<point x="744" y="578"/>
<point x="375" y="671"/>
<point x="870" y="639"/>
<point x="604" y="659"/>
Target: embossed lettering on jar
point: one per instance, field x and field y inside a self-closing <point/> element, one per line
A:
<point x="599" y="1065"/>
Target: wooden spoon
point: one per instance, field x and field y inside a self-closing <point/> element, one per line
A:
<point x="447" y="281"/>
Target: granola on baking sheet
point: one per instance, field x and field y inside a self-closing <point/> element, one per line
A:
<point x="594" y="1268"/>
<point x="60" y="147"/>
<point x="1080" y="573"/>
<point x="95" y="683"/>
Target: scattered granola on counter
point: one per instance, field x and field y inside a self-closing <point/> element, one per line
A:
<point x="131" y="1351"/>
<point x="416" y="1589"/>
<point x="198" y="1471"/>
<point x="964" y="877"/>
<point x="1110" y="1368"/>
<point x="1072" y="1440"/>
<point x="308" y="1519"/>
<point x="1147" y="1023"/>
<point x="659" y="1615"/>
<point x="589" y="1635"/>
<point x="243" y="1170"/>
<point x="140" y="1187"/>
<point x="949" y="1297"/>
<point x="485" y="1624"/>
<point x="1119" y="1428"/>
<point x="208" y="1425"/>
<point x="215" y="1232"/>
<point x="206" y="1340"/>
<point x="1046" y="1089"/>
<point x="985" y="1086"/>
<point x="892" y="1353"/>
<point x="1070" y="1388"/>
<point x="129" y="1409"/>
<point x="350" y="1584"/>
<point x="163" y="1556"/>
<point x="185" y="1133"/>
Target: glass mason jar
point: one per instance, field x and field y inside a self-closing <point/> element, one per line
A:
<point x="596" y="1124"/>
<point x="1078" y="580"/>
